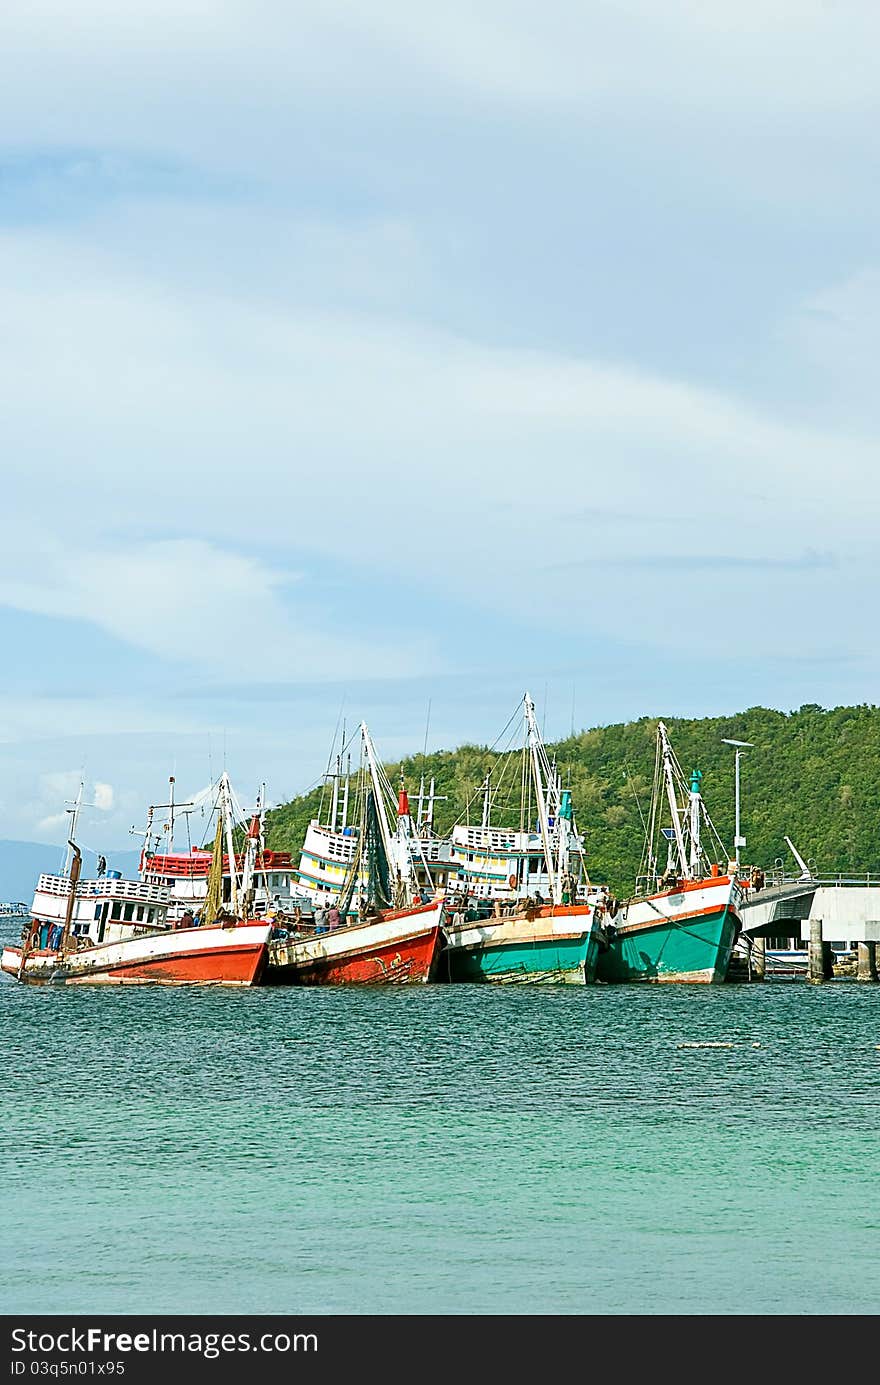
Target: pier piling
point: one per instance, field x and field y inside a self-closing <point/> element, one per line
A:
<point x="820" y="962"/>
<point x="866" y="969"/>
<point x="759" y="959"/>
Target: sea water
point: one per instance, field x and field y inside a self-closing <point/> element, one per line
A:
<point x="441" y="1149"/>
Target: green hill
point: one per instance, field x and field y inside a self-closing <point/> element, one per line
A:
<point x="813" y="775"/>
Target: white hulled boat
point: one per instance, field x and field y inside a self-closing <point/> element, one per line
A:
<point x="115" y="931"/>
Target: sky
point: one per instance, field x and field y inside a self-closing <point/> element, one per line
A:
<point x="371" y="360"/>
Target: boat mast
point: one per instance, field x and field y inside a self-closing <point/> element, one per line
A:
<point x="75" y="867"/>
<point x="170" y="815"/>
<point x="334" y="811"/>
<point x="68" y="859"/>
<point x="669" y="776"/>
<point x="226" y="810"/>
<point x="397" y="847"/>
<point x="487" y="799"/>
<point x="695" y="813"/>
<point x="378" y="792"/>
<point x="146" y="834"/>
<point x="560" y="823"/>
<point x="403" y="842"/>
<point x="535" y="745"/>
<point x="344" y="823"/>
<point x="253" y="850"/>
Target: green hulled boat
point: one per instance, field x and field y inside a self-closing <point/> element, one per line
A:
<point x="556" y="943"/>
<point x="527" y="939"/>
<point x="683" y="929"/>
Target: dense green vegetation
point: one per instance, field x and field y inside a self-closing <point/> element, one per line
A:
<point x="813" y="775"/>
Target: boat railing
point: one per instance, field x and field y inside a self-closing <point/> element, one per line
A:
<point x="106" y="887"/>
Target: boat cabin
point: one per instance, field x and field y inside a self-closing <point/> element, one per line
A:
<point x="105" y="910"/>
<point x="185" y="876"/>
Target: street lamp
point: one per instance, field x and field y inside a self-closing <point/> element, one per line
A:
<point x="738" y="841"/>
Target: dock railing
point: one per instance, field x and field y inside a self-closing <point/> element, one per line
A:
<point x="777" y="876"/>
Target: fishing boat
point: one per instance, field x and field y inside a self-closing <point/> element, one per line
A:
<point x="548" y="930"/>
<point x="682" y="926"/>
<point x="385" y="930"/>
<point x="331" y="845"/>
<point x="116" y="931"/>
<point x="185" y="873"/>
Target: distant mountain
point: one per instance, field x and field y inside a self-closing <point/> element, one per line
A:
<point x="22" y="862"/>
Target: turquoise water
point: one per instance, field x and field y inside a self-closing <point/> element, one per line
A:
<point x="441" y="1149"/>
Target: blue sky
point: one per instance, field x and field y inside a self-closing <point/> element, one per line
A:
<point x="369" y="356"/>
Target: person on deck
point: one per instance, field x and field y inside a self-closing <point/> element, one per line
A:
<point x="333" y="919"/>
<point x="320" y="917"/>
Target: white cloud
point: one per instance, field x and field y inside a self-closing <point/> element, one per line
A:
<point x="103" y="797"/>
<point x="793" y="55"/>
<point x="403" y="451"/>
<point x="61" y="784"/>
<point x="51" y="823"/>
<point x="216" y="412"/>
<point x="187" y="600"/>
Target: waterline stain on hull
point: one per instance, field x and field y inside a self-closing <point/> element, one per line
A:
<point x="402" y="962"/>
<point x="399" y="948"/>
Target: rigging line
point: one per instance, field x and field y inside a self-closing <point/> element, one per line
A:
<point x="427" y="724"/>
<point x="326" y="773"/>
<point x="498" y="758"/>
<point x="636" y="797"/>
<point x="213" y="809"/>
<point x="351" y="740"/>
<point x="652" y="843"/>
<point x="508" y="761"/>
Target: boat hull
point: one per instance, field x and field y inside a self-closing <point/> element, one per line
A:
<point x="684" y="935"/>
<point x="556" y="945"/>
<point x="398" y="949"/>
<point x="215" y="956"/>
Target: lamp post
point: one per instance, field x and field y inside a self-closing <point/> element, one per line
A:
<point x="740" y="746"/>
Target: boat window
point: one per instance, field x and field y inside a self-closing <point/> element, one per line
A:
<point x="127" y="912"/>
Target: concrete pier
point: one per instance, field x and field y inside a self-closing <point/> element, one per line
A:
<point x="866" y="968"/>
<point x="861" y="934"/>
<point x="759" y="959"/>
<point x="820" y="956"/>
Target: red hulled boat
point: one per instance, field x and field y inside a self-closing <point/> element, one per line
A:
<point x="381" y="930"/>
